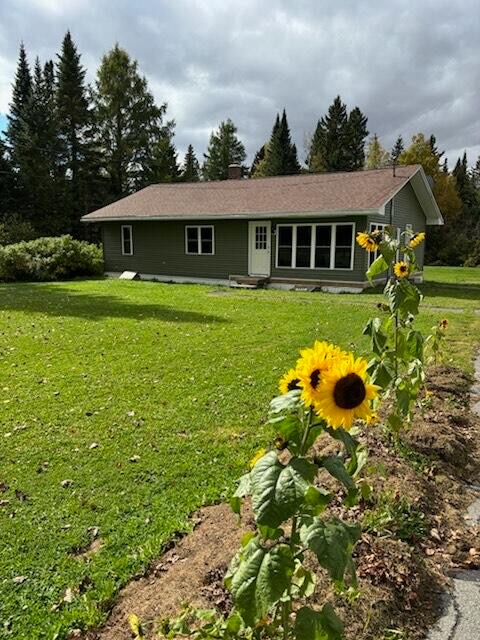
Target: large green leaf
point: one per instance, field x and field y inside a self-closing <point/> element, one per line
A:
<point x="243" y="490"/>
<point x="332" y="542"/>
<point x="318" y="625"/>
<point x="403" y="296"/>
<point x="336" y="468"/>
<point x="377" y="267"/>
<point x="260" y="579"/>
<point x="278" y="490"/>
<point x="373" y="328"/>
<point x="286" y="403"/>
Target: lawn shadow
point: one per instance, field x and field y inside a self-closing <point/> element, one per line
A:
<point x="438" y="290"/>
<point x="60" y="300"/>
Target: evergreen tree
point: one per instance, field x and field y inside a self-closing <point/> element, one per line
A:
<point x="22" y="89"/>
<point x="282" y="154"/>
<point x="258" y="158"/>
<point x="377" y="156"/>
<point x="465" y="183"/>
<point x="355" y="143"/>
<point x="163" y="166"/>
<point x="75" y="122"/>
<point x="328" y="148"/>
<point x="15" y="134"/>
<point x="224" y="149"/>
<point x="129" y="122"/>
<point x="191" y="167"/>
<point x="397" y="150"/>
<point x="7" y="182"/>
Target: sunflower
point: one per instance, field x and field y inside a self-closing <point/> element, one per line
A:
<point x="368" y="241"/>
<point x="312" y="365"/>
<point x="345" y="393"/>
<point x="443" y="324"/>
<point x="401" y="269"/>
<point x="289" y="382"/>
<point x="416" y="239"/>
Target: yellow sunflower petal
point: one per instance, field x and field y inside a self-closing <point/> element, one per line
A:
<point x="345" y="393"/>
<point x="401" y="269"/>
<point x="417" y="239"/>
<point x="367" y="241"/>
<point x="289" y="382"/>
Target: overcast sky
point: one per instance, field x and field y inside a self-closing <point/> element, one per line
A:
<point x="410" y="65"/>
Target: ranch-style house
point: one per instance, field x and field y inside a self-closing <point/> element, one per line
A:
<point x="289" y="231"/>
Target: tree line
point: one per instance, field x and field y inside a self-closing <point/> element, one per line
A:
<point x="70" y="148"/>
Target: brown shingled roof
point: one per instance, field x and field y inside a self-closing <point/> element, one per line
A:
<point x="359" y="191"/>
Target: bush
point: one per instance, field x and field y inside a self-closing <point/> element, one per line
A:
<point x="44" y="259"/>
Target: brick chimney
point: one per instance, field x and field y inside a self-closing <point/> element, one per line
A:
<point x="234" y="172"/>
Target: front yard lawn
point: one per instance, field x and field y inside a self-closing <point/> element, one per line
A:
<point x="126" y="406"/>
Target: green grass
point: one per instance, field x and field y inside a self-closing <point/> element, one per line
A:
<point x="172" y="383"/>
<point x="453" y="275"/>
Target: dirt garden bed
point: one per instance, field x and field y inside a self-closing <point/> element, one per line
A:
<point x="415" y="532"/>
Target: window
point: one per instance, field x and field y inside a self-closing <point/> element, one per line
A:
<point x="261" y="240"/>
<point x="127" y="240"/>
<point x="315" y="246"/>
<point x="199" y="240"/>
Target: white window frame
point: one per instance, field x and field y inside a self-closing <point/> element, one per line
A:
<point x="198" y="227"/>
<point x="129" y="227"/>
<point x="333" y="245"/>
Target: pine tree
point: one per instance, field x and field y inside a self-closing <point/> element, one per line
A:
<point x="328" y="148"/>
<point x="191" y="167"/>
<point x="355" y="144"/>
<point x="258" y="158"/>
<point x="75" y="121"/>
<point x="397" y="150"/>
<point x="465" y="183"/>
<point x="15" y="136"/>
<point x="282" y="154"/>
<point x="377" y="156"/>
<point x="224" y="149"/>
<point x="129" y="122"/>
<point x="7" y="182"/>
<point x="22" y="89"/>
<point x="163" y="166"/>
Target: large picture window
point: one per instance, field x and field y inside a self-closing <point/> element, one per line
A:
<point x="199" y="240"/>
<point x="127" y="240"/>
<point x="315" y="246"/>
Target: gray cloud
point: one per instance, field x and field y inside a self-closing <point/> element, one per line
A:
<point x="410" y="66"/>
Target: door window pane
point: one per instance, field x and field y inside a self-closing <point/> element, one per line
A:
<point x="261" y="238"/>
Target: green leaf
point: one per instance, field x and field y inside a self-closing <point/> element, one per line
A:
<point x="287" y="403"/>
<point x="278" y="490"/>
<point x="290" y="428"/>
<point x="243" y="490"/>
<point x="268" y="533"/>
<point x="336" y="468"/>
<point x="260" y="579"/>
<point x="415" y="344"/>
<point x="318" y="625"/>
<point x="303" y="583"/>
<point x="382" y="372"/>
<point x="373" y="328"/>
<point x="377" y="267"/>
<point x="332" y="542"/>
<point x="403" y="296"/>
<point x="317" y="499"/>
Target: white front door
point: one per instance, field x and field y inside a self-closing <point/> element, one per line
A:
<point x="259" y="248"/>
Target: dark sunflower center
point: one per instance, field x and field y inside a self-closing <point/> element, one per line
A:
<point x="315" y="378"/>
<point x="349" y="392"/>
<point x="403" y="268"/>
<point x="293" y="384"/>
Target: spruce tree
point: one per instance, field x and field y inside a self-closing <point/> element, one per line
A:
<point x="355" y="140"/>
<point x="129" y="123"/>
<point x="22" y="89"/>
<point x="163" y="166"/>
<point x="224" y="149"/>
<point x="258" y="158"/>
<point x="328" y="148"/>
<point x="191" y="167"/>
<point x="397" y="150"/>
<point x="282" y="156"/>
<point x="7" y="182"/>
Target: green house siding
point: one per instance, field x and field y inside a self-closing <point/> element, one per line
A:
<point x="406" y="210"/>
<point x="159" y="249"/>
<point x="159" y="246"/>
<point x="357" y="274"/>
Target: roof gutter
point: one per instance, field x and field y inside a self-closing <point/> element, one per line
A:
<point x="272" y="215"/>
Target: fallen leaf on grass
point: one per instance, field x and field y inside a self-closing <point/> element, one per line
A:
<point x="20" y="579"/>
<point x="66" y="483"/>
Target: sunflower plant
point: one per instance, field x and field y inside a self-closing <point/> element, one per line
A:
<point x="327" y="392"/>
<point x="399" y="349"/>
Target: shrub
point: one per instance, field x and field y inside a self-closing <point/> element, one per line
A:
<point x="45" y="259"/>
